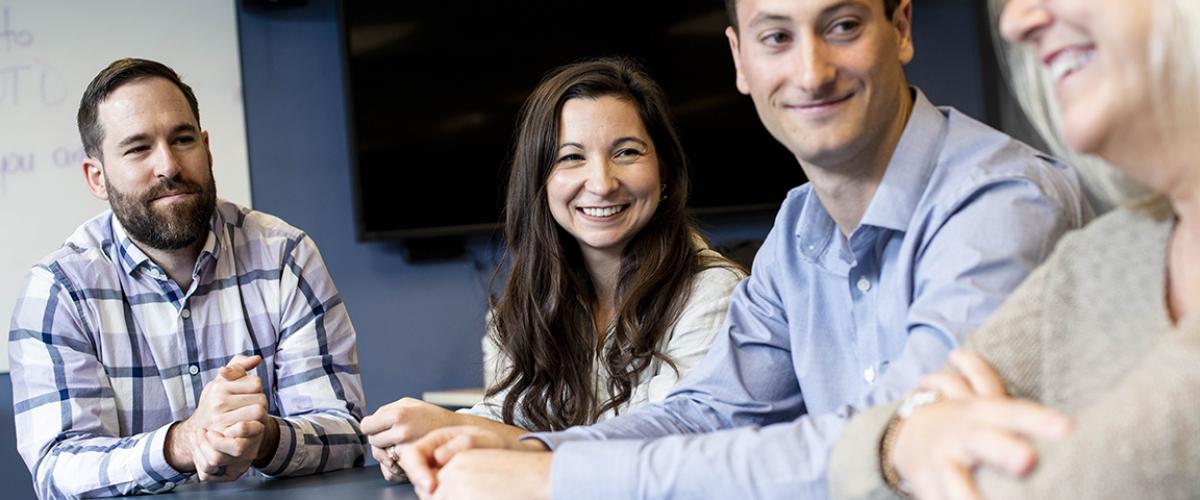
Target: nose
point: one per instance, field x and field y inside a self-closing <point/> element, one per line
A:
<point x="166" y="163"/>
<point x="813" y="73"/>
<point x="601" y="178"/>
<point x="1023" y="20"/>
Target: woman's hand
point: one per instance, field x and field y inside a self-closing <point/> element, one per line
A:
<point x="425" y="458"/>
<point x="400" y="422"/>
<point x="938" y="446"/>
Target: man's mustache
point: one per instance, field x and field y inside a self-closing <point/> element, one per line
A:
<point x="169" y="187"/>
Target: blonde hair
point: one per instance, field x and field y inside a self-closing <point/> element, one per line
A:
<point x="1106" y="187"/>
<point x="1175" y="63"/>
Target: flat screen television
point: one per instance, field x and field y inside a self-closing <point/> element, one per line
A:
<point x="434" y="90"/>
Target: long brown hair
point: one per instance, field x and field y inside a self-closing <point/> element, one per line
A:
<point x="544" y="313"/>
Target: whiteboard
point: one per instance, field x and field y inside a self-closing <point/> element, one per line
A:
<point x="49" y="51"/>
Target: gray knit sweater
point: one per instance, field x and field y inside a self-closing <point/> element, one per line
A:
<point x="1088" y="334"/>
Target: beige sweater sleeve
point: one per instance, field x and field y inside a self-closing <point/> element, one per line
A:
<point x="1009" y="341"/>
<point x="1138" y="440"/>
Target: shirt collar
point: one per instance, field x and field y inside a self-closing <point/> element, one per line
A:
<point x="132" y="257"/>
<point x="815" y="226"/>
<point x="899" y="191"/>
<point x="904" y="181"/>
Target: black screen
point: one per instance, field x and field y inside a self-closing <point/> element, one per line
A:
<point x="435" y="89"/>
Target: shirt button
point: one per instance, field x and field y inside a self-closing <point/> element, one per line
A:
<point x="186" y="313"/>
<point x="869" y="374"/>
<point x="864" y="285"/>
<point x="193" y="369"/>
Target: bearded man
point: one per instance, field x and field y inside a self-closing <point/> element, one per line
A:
<point x="177" y="336"/>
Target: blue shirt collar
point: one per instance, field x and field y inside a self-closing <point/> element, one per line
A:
<point x="901" y="188"/>
<point x="132" y="258"/>
<point x="907" y="175"/>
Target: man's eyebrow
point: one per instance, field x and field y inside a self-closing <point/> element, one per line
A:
<point x="132" y="139"/>
<point x="183" y="127"/>
<point x="766" y="17"/>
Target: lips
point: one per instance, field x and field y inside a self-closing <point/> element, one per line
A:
<point x="1068" y="60"/>
<point x="605" y="212"/>
<point x="171" y="195"/>
<point x="822" y="105"/>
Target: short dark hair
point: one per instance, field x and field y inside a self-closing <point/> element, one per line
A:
<point x="121" y="72"/>
<point x="889" y="7"/>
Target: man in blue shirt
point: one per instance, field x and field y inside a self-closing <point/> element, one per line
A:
<point x="916" y="224"/>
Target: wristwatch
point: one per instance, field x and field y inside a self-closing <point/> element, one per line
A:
<point x="915" y="400"/>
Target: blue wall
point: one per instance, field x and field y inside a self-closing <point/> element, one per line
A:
<point x="419" y="325"/>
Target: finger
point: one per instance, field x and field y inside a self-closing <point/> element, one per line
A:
<point x="248" y="384"/>
<point x="387" y="473"/>
<point x="958" y="483"/>
<point x="243" y="429"/>
<point x="233" y="448"/>
<point x="397" y="434"/>
<point x="383" y="457"/>
<point x="375" y="423"/>
<point x="252" y="413"/>
<point x="207" y="458"/>
<point x="198" y="460"/>
<point x="1024" y="417"/>
<point x="417" y="457"/>
<point x="979" y="374"/>
<point x="1011" y="454"/>
<point x="460" y="443"/>
<point x="224" y="403"/>
<point x="244" y="363"/>
<point x="949" y="385"/>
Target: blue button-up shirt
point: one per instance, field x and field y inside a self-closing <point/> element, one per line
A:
<point x="827" y="325"/>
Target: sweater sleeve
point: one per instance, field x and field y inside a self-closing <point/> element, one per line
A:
<point x="1139" y="440"/>
<point x="1010" y="341"/>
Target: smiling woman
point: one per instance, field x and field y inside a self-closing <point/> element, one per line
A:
<point x="608" y="295"/>
<point x="605" y="184"/>
<point x="1083" y="384"/>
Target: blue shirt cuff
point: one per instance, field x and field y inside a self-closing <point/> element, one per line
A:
<point x="160" y="476"/>
<point x="600" y="470"/>
<point x="553" y="440"/>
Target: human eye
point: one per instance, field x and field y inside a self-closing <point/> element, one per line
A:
<point x="570" y="158"/>
<point x="774" y="38"/>
<point x="185" y="139"/>
<point x="845" y="28"/>
<point x="141" y="148"/>
<point x="628" y="154"/>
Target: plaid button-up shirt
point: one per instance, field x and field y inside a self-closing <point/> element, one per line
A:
<point x="107" y="352"/>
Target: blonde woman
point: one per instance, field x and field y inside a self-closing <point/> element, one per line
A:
<point x="1083" y="384"/>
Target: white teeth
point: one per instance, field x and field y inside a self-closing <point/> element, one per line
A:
<point x="1069" y="62"/>
<point x="602" y="212"/>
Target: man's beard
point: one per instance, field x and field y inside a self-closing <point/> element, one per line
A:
<point x="173" y="227"/>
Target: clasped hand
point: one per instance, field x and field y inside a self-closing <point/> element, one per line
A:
<point x="396" y="424"/>
<point x="938" y="447"/>
<point x="471" y="462"/>
<point x="224" y="436"/>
